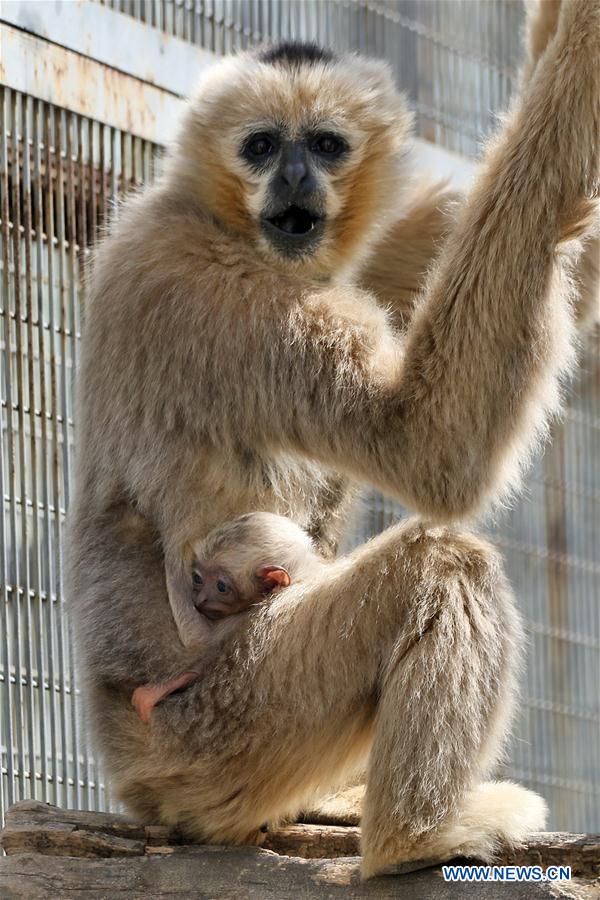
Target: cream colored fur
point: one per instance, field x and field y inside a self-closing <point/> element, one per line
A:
<point x="217" y="380"/>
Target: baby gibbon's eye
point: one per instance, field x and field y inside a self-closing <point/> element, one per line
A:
<point x="222" y="587"/>
<point x="198" y="579"/>
<point x="329" y="145"/>
<point x="259" y="147"/>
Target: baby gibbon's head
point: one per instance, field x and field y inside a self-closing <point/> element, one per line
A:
<point x="255" y="541"/>
<point x="296" y="150"/>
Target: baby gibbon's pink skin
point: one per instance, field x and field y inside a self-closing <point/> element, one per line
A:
<point x="271" y="577"/>
<point x="145" y="698"/>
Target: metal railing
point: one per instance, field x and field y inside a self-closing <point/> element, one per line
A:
<point x="59" y="175"/>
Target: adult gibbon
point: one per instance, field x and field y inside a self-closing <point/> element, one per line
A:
<point x="231" y="363"/>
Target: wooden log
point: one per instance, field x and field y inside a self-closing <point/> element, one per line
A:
<point x="314" y="841"/>
<point x="35" y="812"/>
<point x="67" y="840"/>
<point x="32" y="826"/>
<point x="101" y="855"/>
<point x="558" y="848"/>
<point x="245" y="873"/>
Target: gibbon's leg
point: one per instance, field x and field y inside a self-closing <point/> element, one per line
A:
<point x="446" y="702"/>
<point x="342" y="807"/>
<point x="446" y="698"/>
<point x="413" y="638"/>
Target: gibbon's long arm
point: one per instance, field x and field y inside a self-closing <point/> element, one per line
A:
<point x="542" y="19"/>
<point x="479" y="372"/>
<point x="486" y="348"/>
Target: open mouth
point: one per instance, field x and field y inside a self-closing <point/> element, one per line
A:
<point x="294" y="222"/>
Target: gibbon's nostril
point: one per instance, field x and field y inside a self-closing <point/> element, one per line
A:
<point x="294" y="173"/>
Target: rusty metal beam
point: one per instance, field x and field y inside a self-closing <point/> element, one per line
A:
<point x="112" y="38"/>
<point x="73" y="82"/>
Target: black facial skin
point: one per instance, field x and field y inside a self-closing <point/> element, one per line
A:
<point x="293" y="220"/>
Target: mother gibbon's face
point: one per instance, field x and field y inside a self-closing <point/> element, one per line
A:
<point x="298" y="151"/>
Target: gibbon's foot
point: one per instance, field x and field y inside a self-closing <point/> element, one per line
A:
<point x="146" y="697"/>
<point x="494" y="814"/>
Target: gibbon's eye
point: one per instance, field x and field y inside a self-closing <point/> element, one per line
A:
<point x="198" y="579"/>
<point x="222" y="587"/>
<point x="329" y="146"/>
<point x="259" y="148"/>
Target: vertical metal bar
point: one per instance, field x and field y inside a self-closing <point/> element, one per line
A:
<point x="202" y="24"/>
<point x="60" y="459"/>
<point x="31" y="463"/>
<point x="114" y="173"/>
<point x="87" y="177"/>
<point x="103" y="174"/>
<point x="50" y="440"/>
<point x="93" y="140"/>
<point x="122" y="180"/>
<point x="5" y="473"/>
<point x="17" y="490"/>
<point x="69" y="361"/>
<point x="40" y="466"/>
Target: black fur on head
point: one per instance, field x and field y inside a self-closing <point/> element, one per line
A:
<point x="296" y="53"/>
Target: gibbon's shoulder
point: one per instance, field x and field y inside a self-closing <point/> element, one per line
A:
<point x="163" y="257"/>
<point x="157" y="235"/>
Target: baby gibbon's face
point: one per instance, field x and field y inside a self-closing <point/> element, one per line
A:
<point x="299" y="155"/>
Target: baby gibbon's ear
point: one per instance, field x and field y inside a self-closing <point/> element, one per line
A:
<point x="271" y="577"/>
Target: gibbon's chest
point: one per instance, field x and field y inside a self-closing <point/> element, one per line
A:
<point x="284" y="484"/>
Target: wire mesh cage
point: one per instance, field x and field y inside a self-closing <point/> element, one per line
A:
<point x="60" y="175"/>
<point x="455" y="59"/>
